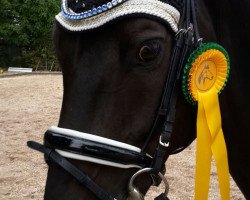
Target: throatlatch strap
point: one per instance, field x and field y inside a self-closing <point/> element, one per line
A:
<point x="71" y="169"/>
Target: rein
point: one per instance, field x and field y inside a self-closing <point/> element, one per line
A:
<point x="61" y="143"/>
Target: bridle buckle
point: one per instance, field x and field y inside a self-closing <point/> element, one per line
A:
<point x="163" y="143"/>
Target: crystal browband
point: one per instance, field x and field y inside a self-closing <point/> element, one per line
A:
<point x="100" y="15"/>
<point x="87" y="147"/>
<point x="68" y="13"/>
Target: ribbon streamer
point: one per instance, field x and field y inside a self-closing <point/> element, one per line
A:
<point x="210" y="141"/>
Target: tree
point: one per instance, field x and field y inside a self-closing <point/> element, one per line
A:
<point x="27" y="24"/>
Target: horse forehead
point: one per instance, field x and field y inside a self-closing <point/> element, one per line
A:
<point x="126" y="32"/>
<point x="129" y="27"/>
<point x="142" y="26"/>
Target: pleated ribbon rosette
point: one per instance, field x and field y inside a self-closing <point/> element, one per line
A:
<point x="204" y="77"/>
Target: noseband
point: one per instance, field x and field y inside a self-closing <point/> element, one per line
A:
<point x="64" y="143"/>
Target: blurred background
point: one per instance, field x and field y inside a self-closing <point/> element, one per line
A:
<point x="26" y="34"/>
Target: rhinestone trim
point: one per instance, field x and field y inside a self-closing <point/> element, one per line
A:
<point x="154" y="8"/>
<point x="69" y="14"/>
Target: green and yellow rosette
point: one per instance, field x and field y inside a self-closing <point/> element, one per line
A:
<point x="204" y="77"/>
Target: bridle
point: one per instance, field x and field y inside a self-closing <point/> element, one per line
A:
<point x="64" y="143"/>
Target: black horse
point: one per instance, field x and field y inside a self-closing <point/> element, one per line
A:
<point x="114" y="77"/>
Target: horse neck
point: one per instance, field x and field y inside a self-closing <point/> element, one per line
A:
<point x="231" y="25"/>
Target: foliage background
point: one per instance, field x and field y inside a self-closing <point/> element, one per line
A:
<point x="26" y="32"/>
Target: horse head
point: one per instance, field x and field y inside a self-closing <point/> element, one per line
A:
<point x="116" y="59"/>
<point x="114" y="76"/>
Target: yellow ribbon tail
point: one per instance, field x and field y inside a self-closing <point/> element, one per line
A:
<point x="220" y="156"/>
<point x="210" y="141"/>
<point x="203" y="156"/>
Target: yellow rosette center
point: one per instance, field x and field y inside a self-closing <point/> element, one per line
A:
<point x="208" y="73"/>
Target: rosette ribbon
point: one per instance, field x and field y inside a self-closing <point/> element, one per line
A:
<point x="205" y="75"/>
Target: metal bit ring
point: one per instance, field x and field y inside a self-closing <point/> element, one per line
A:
<point x="135" y="194"/>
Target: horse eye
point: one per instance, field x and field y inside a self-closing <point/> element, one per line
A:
<point x="149" y="51"/>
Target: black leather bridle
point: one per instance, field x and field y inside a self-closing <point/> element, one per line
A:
<point x="187" y="38"/>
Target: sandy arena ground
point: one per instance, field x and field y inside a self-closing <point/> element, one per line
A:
<point x="29" y="104"/>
